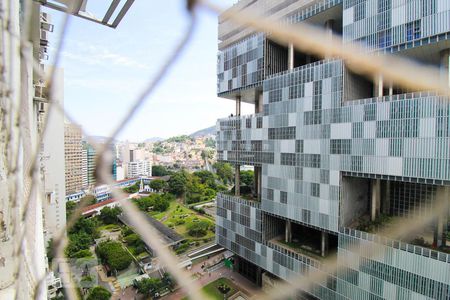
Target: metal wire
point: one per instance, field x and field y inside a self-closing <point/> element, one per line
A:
<point x="303" y="37"/>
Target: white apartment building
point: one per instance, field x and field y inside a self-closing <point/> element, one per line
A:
<point x="53" y="165"/>
<point x="84" y="168"/>
<point x="73" y="149"/>
<point x="139" y="168"/>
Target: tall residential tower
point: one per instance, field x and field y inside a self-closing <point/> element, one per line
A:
<point x="73" y="148"/>
<point x="337" y="155"/>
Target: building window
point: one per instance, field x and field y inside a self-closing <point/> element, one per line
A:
<point x="283" y="197"/>
<point x="315" y="189"/>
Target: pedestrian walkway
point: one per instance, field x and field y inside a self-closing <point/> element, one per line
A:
<point x="205" y="277"/>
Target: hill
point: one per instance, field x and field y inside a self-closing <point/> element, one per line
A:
<point x="206" y="131"/>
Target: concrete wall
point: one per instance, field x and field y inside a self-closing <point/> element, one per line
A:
<point x="355" y="199"/>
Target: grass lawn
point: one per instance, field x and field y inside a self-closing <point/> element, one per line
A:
<point x="109" y="227"/>
<point x="211" y="289"/>
<point x="180" y="217"/>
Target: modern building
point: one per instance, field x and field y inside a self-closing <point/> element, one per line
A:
<point x="84" y="167"/>
<point x="337" y="155"/>
<point x="139" y="168"/>
<point x="73" y="150"/>
<point x="90" y="155"/>
<point x="53" y="165"/>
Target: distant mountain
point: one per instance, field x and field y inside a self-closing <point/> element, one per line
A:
<point x="203" y="132"/>
<point x="154" y="139"/>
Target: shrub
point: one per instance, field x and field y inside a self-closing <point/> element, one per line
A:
<point x="113" y="254"/>
<point x="198" y="229"/>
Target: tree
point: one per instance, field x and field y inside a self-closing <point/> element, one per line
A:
<point x="99" y="293"/>
<point x="161" y="203"/>
<point x="109" y="215"/>
<point x="132" y="188"/>
<point x="78" y="242"/>
<point x="148" y="286"/>
<point x="198" y="229"/>
<point x="177" y="183"/>
<point x="206" y="178"/>
<point x="247" y="178"/>
<point x="160" y="171"/>
<point x="114" y="255"/>
<point x="50" y="251"/>
<point x="224" y="171"/>
<point x="158" y="184"/>
<point x="86" y="225"/>
<point x="70" y="208"/>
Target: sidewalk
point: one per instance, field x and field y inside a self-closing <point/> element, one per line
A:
<point x="240" y="281"/>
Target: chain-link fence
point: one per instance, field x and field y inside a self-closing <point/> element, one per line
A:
<point x="21" y="183"/>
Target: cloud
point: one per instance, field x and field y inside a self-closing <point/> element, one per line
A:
<point x="100" y="56"/>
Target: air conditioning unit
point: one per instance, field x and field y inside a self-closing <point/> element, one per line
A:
<point x="47" y="26"/>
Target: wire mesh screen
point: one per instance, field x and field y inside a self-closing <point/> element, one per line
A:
<point x="22" y="135"/>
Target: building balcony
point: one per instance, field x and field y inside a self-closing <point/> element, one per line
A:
<point x="391" y="243"/>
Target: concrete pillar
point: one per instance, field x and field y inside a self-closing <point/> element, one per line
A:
<point x="290" y="56"/>
<point x="386" y="199"/>
<point x="238" y="105"/>
<point x="259" y="103"/>
<point x="257" y="181"/>
<point x="288" y="232"/>
<point x="237" y="180"/>
<point x="375" y="199"/>
<point x="442" y="196"/>
<point x="445" y="70"/>
<point x="378" y="86"/>
<point x="329" y="24"/>
<point x="324" y="244"/>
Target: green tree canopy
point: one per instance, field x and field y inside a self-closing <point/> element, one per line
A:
<point x="198" y="229"/>
<point x="99" y="293"/>
<point x="160" y="171"/>
<point x="108" y="215"/>
<point x="207" y="178"/>
<point x="158" y="184"/>
<point x="247" y="178"/>
<point x="158" y="202"/>
<point x="132" y="188"/>
<point x="148" y="286"/>
<point x="224" y="171"/>
<point x="177" y="183"/>
<point x="113" y="254"/>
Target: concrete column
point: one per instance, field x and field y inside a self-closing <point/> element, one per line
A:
<point x="237" y="180"/>
<point x="259" y="103"/>
<point x="329" y="30"/>
<point x="386" y="199"/>
<point x="378" y="86"/>
<point x="290" y="56"/>
<point x="288" y="232"/>
<point x="442" y="196"/>
<point x="375" y="200"/>
<point x="324" y="244"/>
<point x="445" y="70"/>
<point x="238" y="105"/>
<point x="257" y="180"/>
